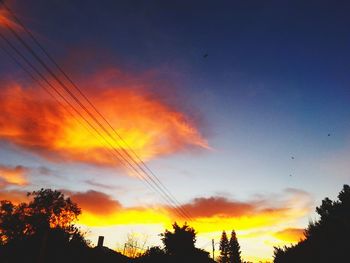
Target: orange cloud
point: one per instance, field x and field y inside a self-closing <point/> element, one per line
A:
<point x="150" y="127"/>
<point x="101" y="209"/>
<point x="15" y="196"/>
<point x="220" y="206"/>
<point x="263" y="211"/>
<point x="95" y="202"/>
<point x="210" y="214"/>
<point x="292" y="235"/>
<point x="4" y="17"/>
<point x="13" y="176"/>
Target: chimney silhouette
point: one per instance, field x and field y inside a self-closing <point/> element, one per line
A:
<point x="100" y="241"/>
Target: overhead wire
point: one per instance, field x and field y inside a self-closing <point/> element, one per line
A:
<point x="155" y="180"/>
<point x="37" y="81"/>
<point x="52" y="60"/>
<point x="128" y="165"/>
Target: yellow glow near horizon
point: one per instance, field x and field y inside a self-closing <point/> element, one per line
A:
<point x="257" y="234"/>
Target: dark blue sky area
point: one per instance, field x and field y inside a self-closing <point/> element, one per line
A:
<point x="267" y="60"/>
<point x="265" y="40"/>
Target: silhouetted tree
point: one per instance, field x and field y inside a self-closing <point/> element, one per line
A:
<point x="48" y="210"/>
<point x="179" y="242"/>
<point x="41" y="229"/>
<point x="234" y="249"/>
<point x="13" y="222"/>
<point x="327" y="239"/>
<point x="179" y="246"/>
<point x="224" y="248"/>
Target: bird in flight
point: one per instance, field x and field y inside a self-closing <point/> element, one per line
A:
<point x="205" y="55"/>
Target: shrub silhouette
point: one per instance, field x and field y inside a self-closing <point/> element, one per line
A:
<point x="179" y="246"/>
<point x="43" y="231"/>
<point x="326" y="240"/>
<point x="179" y="242"/>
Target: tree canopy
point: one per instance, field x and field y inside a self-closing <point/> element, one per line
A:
<point x="327" y="239"/>
<point x="224" y="247"/>
<point x="230" y="251"/>
<point x="41" y="229"/>
<point x="179" y="245"/>
<point x="48" y="210"/>
<point x="234" y="249"/>
<point x="181" y="241"/>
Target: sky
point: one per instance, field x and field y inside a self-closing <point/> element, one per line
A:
<point x="240" y="108"/>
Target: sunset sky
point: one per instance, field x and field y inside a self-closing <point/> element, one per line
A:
<point x="240" y="108"/>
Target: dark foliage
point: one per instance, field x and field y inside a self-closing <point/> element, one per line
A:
<point x="234" y="249"/>
<point x="224" y="248"/>
<point x="43" y="231"/>
<point x="179" y="246"/>
<point x="230" y="251"/>
<point x="328" y="239"/>
<point x="179" y="242"/>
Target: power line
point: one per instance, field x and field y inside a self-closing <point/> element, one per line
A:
<point x="19" y="64"/>
<point x="139" y="160"/>
<point x="165" y="192"/>
<point x="129" y="165"/>
<point x="90" y="103"/>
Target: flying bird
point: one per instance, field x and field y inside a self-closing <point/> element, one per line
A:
<point x="205" y="55"/>
<point x="292" y="157"/>
<point x="329" y="134"/>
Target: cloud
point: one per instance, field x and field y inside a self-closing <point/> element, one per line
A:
<point x="210" y="214"/>
<point x="91" y="202"/>
<point x="6" y="21"/>
<point x="262" y="211"/>
<point x="13" y="175"/>
<point x="149" y="126"/>
<point x="219" y="206"/>
<point x="292" y="235"/>
<point x="95" y="202"/>
<point x="15" y="196"/>
<point x="102" y="185"/>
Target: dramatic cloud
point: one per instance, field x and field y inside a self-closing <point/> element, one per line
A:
<point x="5" y="19"/>
<point x="15" y="196"/>
<point x="220" y="206"/>
<point x="13" y="176"/>
<point x="208" y="213"/>
<point x="262" y="211"/>
<point x="217" y="206"/>
<point x="96" y="202"/>
<point x="292" y="235"/>
<point x="34" y="121"/>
